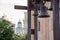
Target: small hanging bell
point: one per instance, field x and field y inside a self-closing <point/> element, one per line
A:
<point x="35" y="12"/>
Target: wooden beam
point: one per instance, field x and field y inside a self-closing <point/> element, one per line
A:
<point x="44" y="0"/>
<point x="47" y="0"/>
<point x="36" y="30"/>
<point x="56" y="27"/>
<point x="20" y="7"/>
<point x="29" y="20"/>
<point x="35" y="23"/>
<point x="25" y="8"/>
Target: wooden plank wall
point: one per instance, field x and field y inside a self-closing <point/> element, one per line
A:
<point x="46" y="28"/>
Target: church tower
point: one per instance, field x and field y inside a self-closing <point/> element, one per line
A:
<point x="19" y="27"/>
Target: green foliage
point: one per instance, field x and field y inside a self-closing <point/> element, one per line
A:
<point x="6" y="30"/>
<point x="19" y="37"/>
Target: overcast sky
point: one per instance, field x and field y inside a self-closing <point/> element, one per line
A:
<point x="7" y="8"/>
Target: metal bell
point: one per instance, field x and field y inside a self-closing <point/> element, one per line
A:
<point x="35" y="12"/>
<point x="43" y="12"/>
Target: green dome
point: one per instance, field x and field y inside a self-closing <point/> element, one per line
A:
<point x="19" y="22"/>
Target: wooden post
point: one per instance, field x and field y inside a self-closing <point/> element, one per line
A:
<point x="29" y="20"/>
<point x="56" y="26"/>
<point x="35" y="23"/>
<point x="36" y="31"/>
